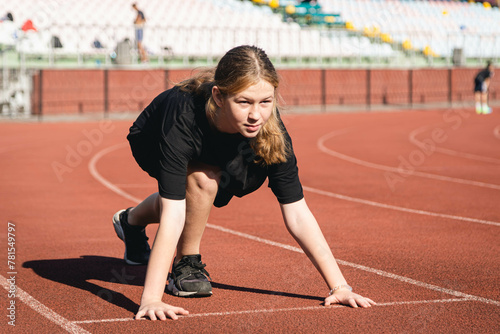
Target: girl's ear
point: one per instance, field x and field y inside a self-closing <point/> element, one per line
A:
<point x="217" y="96"/>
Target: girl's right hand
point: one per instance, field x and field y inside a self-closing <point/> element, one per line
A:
<point x="159" y="310"/>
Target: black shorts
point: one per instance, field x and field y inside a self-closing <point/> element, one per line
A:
<point x="479" y="86"/>
<point x="223" y="198"/>
<point x="146" y="152"/>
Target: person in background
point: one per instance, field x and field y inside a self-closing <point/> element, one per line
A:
<point x="139" y="22"/>
<point x="481" y="89"/>
<point x="7" y="17"/>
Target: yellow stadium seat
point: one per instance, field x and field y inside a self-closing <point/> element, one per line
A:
<point x="407" y="44"/>
<point x="274" y="4"/>
<point x="386" y="38"/>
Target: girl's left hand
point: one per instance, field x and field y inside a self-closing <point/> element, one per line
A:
<point x="346" y="297"/>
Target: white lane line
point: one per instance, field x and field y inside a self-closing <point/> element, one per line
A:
<point x="114" y="188"/>
<point x="106" y="183"/>
<point x="399" y="208"/>
<point x="290" y="309"/>
<point x="48" y="313"/>
<point x="361" y="267"/>
<point x="103" y="320"/>
<point x="119" y="191"/>
<point x="420" y="144"/>
<point x="324" y="149"/>
<point x="142" y="185"/>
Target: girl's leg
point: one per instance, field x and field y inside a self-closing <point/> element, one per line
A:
<point x="188" y="277"/>
<point x="477" y="98"/>
<point x="130" y="227"/>
<point x="146" y="212"/>
<point x="201" y="189"/>
<point x="484" y="99"/>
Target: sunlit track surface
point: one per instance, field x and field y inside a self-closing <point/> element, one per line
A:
<point x="324" y="148"/>
<point x="424" y="253"/>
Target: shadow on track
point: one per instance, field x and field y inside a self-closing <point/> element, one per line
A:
<point x="78" y="272"/>
<point x="222" y="286"/>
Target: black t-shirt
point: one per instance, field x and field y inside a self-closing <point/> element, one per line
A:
<point x="174" y="129"/>
<point x="483" y="75"/>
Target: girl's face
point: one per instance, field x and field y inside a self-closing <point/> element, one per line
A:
<point x="245" y="112"/>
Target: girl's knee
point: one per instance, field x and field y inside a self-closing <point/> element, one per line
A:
<point x="205" y="182"/>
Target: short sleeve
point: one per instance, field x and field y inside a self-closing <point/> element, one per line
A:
<point x="284" y="178"/>
<point x="177" y="146"/>
<point x="175" y="154"/>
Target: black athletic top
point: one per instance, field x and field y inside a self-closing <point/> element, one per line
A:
<point x="483" y="75"/>
<point x="174" y="130"/>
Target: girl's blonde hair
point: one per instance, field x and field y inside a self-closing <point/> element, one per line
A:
<point x="238" y="69"/>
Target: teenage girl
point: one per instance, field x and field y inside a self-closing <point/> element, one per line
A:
<point x="212" y="137"/>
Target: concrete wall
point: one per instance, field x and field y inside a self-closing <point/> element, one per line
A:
<point x="121" y="90"/>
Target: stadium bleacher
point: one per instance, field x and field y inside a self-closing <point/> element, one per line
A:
<point x="189" y="29"/>
<point x="438" y="27"/>
<point x="185" y="28"/>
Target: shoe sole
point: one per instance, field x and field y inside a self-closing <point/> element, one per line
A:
<point x="121" y="235"/>
<point x="172" y="289"/>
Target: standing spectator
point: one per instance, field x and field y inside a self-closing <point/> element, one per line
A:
<point x="7" y="17"/>
<point x="9" y="30"/>
<point x="139" y="22"/>
<point x="481" y="89"/>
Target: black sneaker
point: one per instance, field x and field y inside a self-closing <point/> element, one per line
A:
<point x="189" y="278"/>
<point x="136" y="242"/>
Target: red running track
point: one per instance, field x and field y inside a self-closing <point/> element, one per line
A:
<point x="408" y="201"/>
